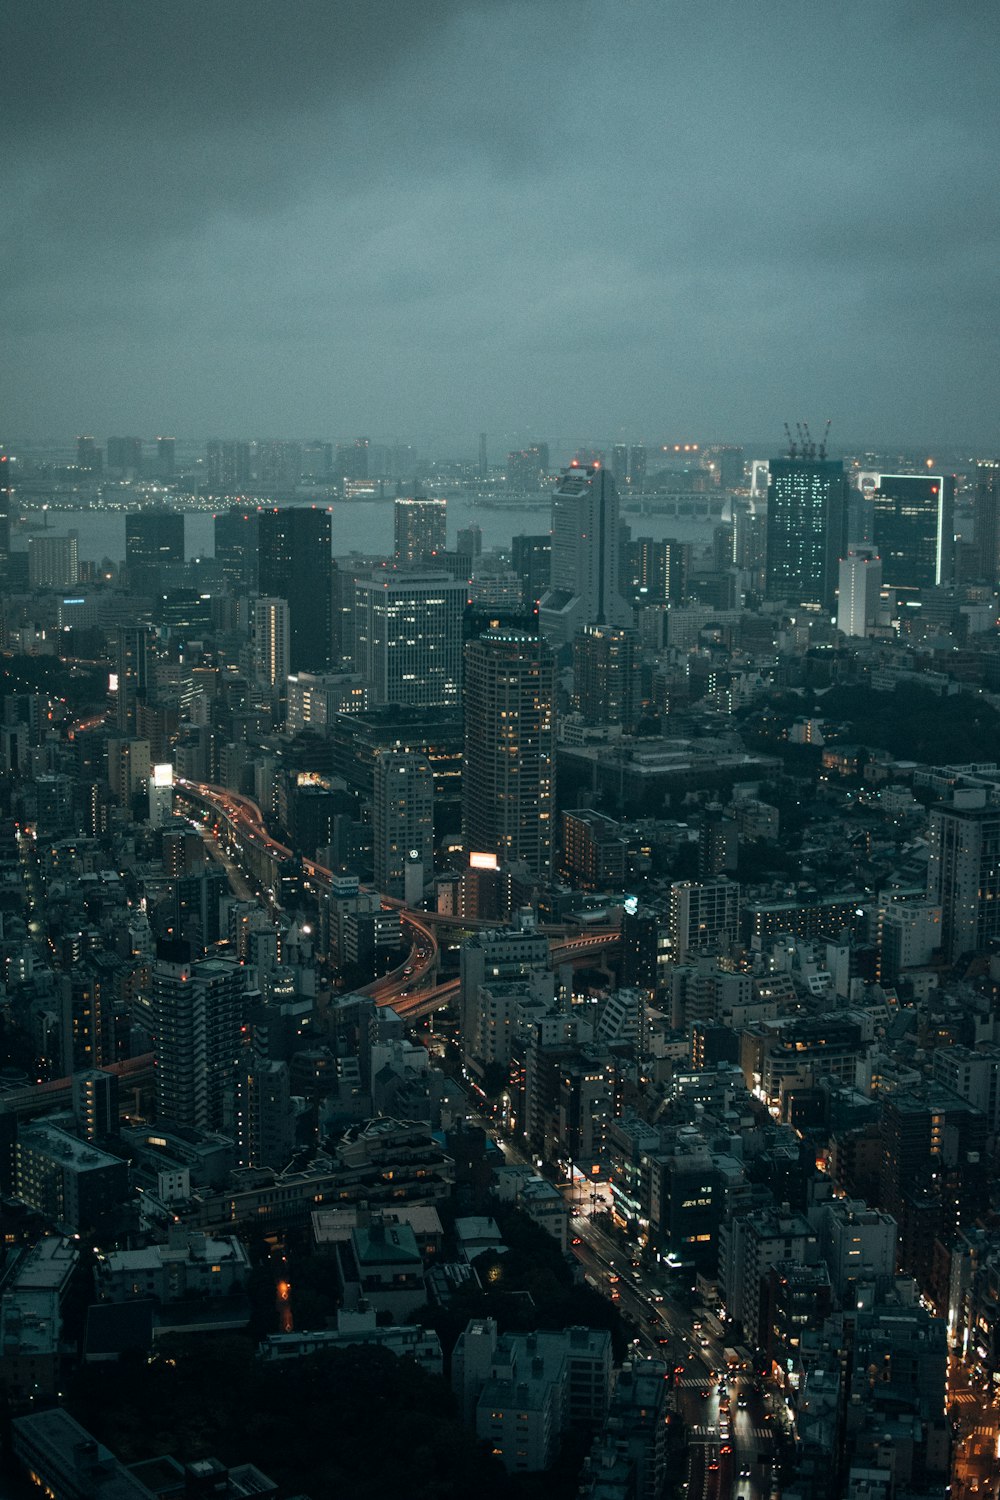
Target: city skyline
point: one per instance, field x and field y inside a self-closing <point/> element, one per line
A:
<point x="721" y="213"/>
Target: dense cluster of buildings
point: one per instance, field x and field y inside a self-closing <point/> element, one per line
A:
<point x="225" y="785"/>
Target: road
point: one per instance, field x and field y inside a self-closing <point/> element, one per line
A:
<point x="729" y="1426"/>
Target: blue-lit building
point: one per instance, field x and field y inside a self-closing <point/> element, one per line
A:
<point x="806" y="529"/>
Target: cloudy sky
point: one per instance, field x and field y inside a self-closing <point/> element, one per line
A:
<point x="565" y="219"/>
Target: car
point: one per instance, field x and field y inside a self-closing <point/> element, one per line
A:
<point x="705" y="1394"/>
<point x="577" y="1240"/>
<point x="726" y="1448"/>
<point x="745" y="1472"/>
<point x="655" y="1294"/>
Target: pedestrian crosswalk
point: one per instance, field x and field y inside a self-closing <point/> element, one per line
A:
<point x="707" y="1430"/>
<point x="964" y="1398"/>
<point x="693" y="1383"/>
<point x="985" y="1431"/>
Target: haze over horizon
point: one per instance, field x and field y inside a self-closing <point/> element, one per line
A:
<point x="551" y="218"/>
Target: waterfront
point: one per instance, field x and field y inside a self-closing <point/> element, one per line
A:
<point x="363" y="526"/>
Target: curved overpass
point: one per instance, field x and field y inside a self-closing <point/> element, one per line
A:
<point x="248" y="832"/>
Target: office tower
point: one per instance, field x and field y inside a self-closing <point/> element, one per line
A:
<point x="124" y="457"/>
<point x="352" y="459"/>
<point x="619" y="463"/>
<point x="914" y="529"/>
<point x="859" y="590"/>
<point x="53" y="562"/>
<point x="606" y="684"/>
<point x="420" y="527"/>
<point x="640" y="945"/>
<point x="229" y="467"/>
<point x="963" y="871"/>
<point x="986" y="522"/>
<point x="408" y="638"/>
<point x="527" y="468"/>
<point x="237" y="546"/>
<point x="295" y="564"/>
<point x="272" y="644"/>
<point x="584" y="584"/>
<point x="133" y="679"/>
<point x="806" y="526"/>
<point x="89" y="457"/>
<point x="731" y="471"/>
<point x="637" y="467"/>
<point x="344" y="576"/>
<point x="197" y="1014"/>
<point x="508" y="784"/>
<point x="165" y="458"/>
<point x="153" y="538"/>
<point x="531" y="559"/>
<point x="403" y="824"/>
<point x="483" y="465"/>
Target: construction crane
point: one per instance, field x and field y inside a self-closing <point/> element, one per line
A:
<point x="792" y="446"/>
<point x="826" y="434"/>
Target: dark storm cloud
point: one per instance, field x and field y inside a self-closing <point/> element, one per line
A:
<point x="565" y="216"/>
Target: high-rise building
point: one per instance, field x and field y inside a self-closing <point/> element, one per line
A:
<point x="89" y="457"/>
<point x="165" y="457"/>
<point x="352" y="459"/>
<point x="229" y="467"/>
<point x="619" y="463"/>
<point x="986" y="521"/>
<point x="584" y="582"/>
<point x="483" y="464"/>
<point x="703" y="915"/>
<point x="531" y="559"/>
<point x="271" y="642"/>
<point x="153" y="538"/>
<point x="197" y="1015"/>
<point x="125" y="457"/>
<point x="237" y="545"/>
<point x="657" y="572"/>
<point x="408" y="638"/>
<point x="295" y="564"/>
<point x="134" y="674"/>
<point x="508" y="784"/>
<point x="53" y="562"/>
<point x="420" y="529"/>
<point x="859" y="590"/>
<point x="527" y="468"/>
<point x="806" y="528"/>
<point x="606" y="682"/>
<point x="963" y="871"/>
<point x="403" y="824"/>
<point x="637" y="467"/>
<point x="731" y="468"/>
<point x="914" y="529"/>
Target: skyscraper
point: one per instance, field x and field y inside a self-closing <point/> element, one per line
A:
<point x="986" y="521"/>
<point x="271" y="642"/>
<point x="134" y="674"/>
<point x="963" y="871"/>
<point x="914" y="529"/>
<point x="420" y="529"/>
<point x="53" y="562"/>
<point x="197" y="1017"/>
<point x="89" y="457"/>
<point x="606" y="685"/>
<point x="237" y="545"/>
<point x="152" y="538"/>
<point x="531" y="558"/>
<point x="806" y="528"/>
<point x="229" y="467"/>
<point x="125" y="457"/>
<point x="165" y="457"/>
<point x="408" y="638"/>
<point x="295" y="564"/>
<point x="859" y="589"/>
<point x="585" y="556"/>
<point x="508" y="781"/>
<point x="403" y="823"/>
